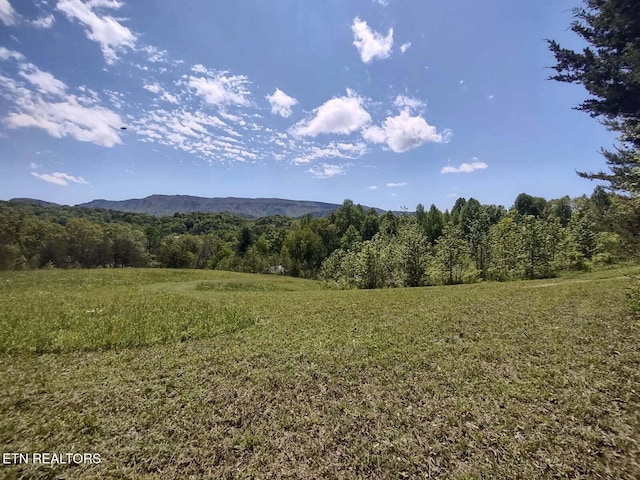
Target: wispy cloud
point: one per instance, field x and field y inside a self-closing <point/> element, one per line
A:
<point x="465" y="167"/>
<point x="8" y="15"/>
<point x="220" y="88"/>
<point x="44" y="22"/>
<point x="43" y="81"/>
<point x="51" y="107"/>
<point x="6" y="54"/>
<point x="59" y="178"/>
<point x="372" y="187"/>
<point x="404" y="47"/>
<point x="396" y="184"/>
<point x="371" y="44"/>
<point x="197" y="132"/>
<point x="112" y="36"/>
<point x="403" y="101"/>
<point x="326" y="170"/>
<point x="155" y="88"/>
<point x="332" y="150"/>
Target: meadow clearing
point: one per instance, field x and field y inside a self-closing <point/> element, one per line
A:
<point x="210" y="374"/>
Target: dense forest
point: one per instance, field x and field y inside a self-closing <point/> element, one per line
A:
<point x="351" y="247"/>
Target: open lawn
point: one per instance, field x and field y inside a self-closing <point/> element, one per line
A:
<point x="205" y="374"/>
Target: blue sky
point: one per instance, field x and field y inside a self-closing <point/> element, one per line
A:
<point x="388" y="102"/>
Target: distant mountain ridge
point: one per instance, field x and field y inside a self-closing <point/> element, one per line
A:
<point x="160" y="205"/>
<point x="167" y="205"/>
<point x="35" y="201"/>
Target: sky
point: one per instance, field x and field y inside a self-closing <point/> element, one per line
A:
<point x="389" y="103"/>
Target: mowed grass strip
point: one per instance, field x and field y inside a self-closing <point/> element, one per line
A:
<point x="517" y="380"/>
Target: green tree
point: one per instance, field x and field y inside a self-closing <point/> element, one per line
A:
<point x="126" y="246"/>
<point x="246" y="237"/>
<point x="478" y="240"/>
<point x="12" y="222"/>
<point x="347" y="214"/>
<point x="413" y="253"/>
<point x="561" y="209"/>
<point x="505" y="242"/>
<point x="179" y="251"/>
<point x="351" y="239"/>
<point x="370" y="225"/>
<point x="468" y="213"/>
<point x="609" y="69"/>
<point x="327" y="232"/>
<point x="457" y="210"/>
<point x="389" y="224"/>
<point x="535" y="249"/>
<point x="583" y="228"/>
<point x="370" y="269"/>
<point x="86" y="243"/>
<point x="450" y="254"/>
<point x="528" y="205"/>
<point x="304" y="250"/>
<point x="434" y="224"/>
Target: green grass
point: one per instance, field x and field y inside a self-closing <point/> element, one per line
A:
<point x="174" y="374"/>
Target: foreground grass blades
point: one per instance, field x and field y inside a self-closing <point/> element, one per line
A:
<point x="246" y="376"/>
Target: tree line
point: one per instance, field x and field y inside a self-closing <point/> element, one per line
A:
<point x="351" y="247"/>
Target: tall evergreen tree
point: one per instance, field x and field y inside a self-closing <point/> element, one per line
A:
<point x="609" y="68"/>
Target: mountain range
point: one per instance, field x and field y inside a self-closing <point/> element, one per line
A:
<point x="161" y="205"/>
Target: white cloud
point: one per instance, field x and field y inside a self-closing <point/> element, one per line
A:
<point x="341" y="115"/>
<point x="168" y="97"/>
<point x="8" y="15"/>
<point x="156" y="89"/>
<point x="44" y="22"/>
<point x="61" y="114"/>
<point x="153" y="88"/>
<point x="396" y="184"/>
<point x="6" y="54"/>
<point x="199" y="68"/>
<point x="404" y="47"/>
<point x="112" y="36"/>
<point x="384" y="3"/>
<point x="154" y="54"/>
<point x="34" y="166"/>
<point x="452" y="195"/>
<point x="281" y="103"/>
<point x="408" y="102"/>
<point x="465" y="167"/>
<point x="59" y="178"/>
<point x="43" y="81"/>
<point x="404" y="132"/>
<point x="198" y="133"/>
<point x="372" y="187"/>
<point x="326" y="170"/>
<point x="333" y="150"/>
<point x="371" y="44"/>
<point x="221" y="89"/>
<point x="95" y="124"/>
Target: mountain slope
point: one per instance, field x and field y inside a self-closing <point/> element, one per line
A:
<point x="34" y="201"/>
<point x="247" y="207"/>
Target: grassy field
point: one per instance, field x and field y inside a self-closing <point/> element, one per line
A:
<point x="203" y="374"/>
